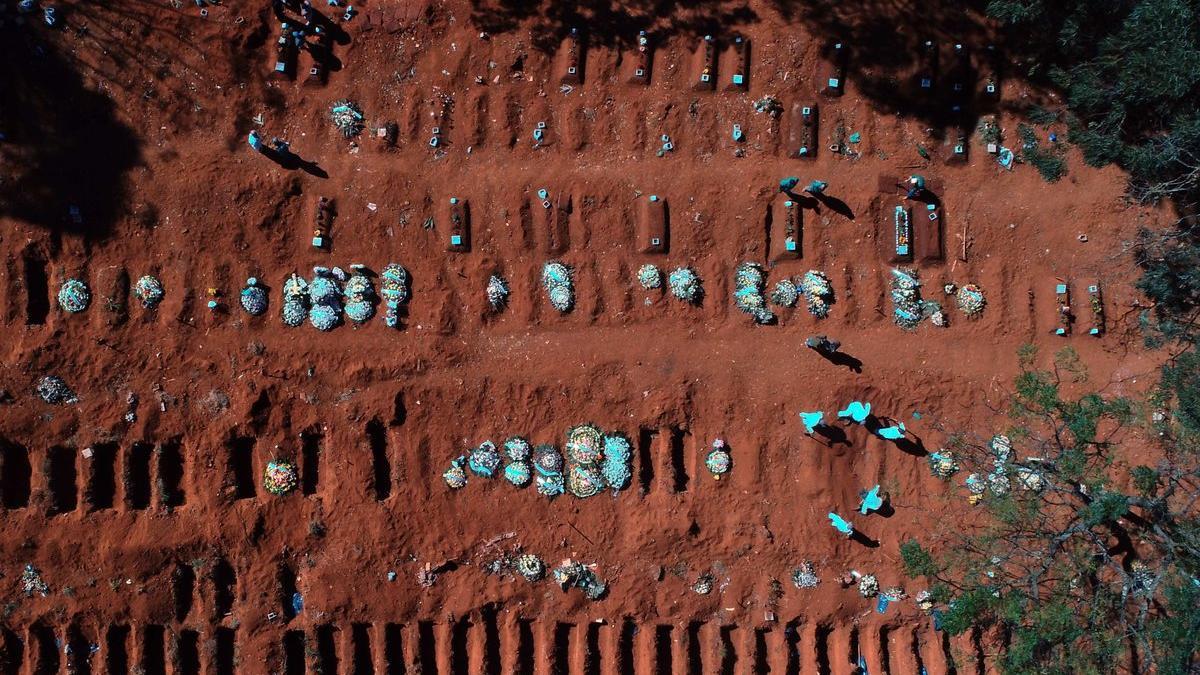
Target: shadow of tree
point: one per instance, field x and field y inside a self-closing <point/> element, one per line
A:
<point x="609" y="24"/>
<point x="885" y="46"/>
<point x="883" y="42"/>
<point x="64" y="145"/>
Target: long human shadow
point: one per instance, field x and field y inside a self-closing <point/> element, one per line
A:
<point x="833" y="435"/>
<point x="863" y="539"/>
<point x="910" y="443"/>
<point x="65" y="151"/>
<point x="840" y="358"/>
<point x="310" y="167"/>
<point x="291" y="161"/>
<point x="836" y="205"/>
<point x="913" y="446"/>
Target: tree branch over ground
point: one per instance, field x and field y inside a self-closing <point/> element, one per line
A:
<point x="1078" y="556"/>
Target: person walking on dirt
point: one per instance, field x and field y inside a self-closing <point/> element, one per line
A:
<point x="822" y="345"/>
<point x="816" y="188"/>
<point x="281" y="147"/>
<point x="788" y="184"/>
<point x="870" y="500"/>
<point x="811" y="421"/>
<point x="916" y="186"/>
<point x="841" y="524"/>
<point x="255" y="140"/>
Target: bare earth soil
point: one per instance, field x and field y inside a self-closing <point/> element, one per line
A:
<point x="161" y="547"/>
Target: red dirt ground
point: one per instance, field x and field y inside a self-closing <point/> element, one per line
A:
<point x="162" y="100"/>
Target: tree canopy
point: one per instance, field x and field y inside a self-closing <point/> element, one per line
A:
<point x="1082" y="556"/>
<point x="1130" y="74"/>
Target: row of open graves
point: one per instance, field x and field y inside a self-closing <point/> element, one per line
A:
<point x="489" y="645"/>
<point x="717" y="62"/>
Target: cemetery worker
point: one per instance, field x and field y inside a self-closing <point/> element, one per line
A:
<point x="788" y="184"/>
<point x="281" y="146"/>
<point x="255" y="140"/>
<point x="822" y="344"/>
<point x="857" y="411"/>
<point x="841" y="524"/>
<point x="916" y="186"/>
<point x="811" y="420"/>
<point x="870" y="501"/>
<point x="816" y="187"/>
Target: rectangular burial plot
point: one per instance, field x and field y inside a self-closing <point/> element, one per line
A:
<point x="926" y="77"/>
<point x="285" y="56"/>
<point x="551" y="215"/>
<point x="15" y="475"/>
<point x="927" y="233"/>
<point x="959" y="80"/>
<point x="802" y="130"/>
<point x="833" y="70"/>
<point x="989" y="74"/>
<point x="536" y="121"/>
<point x="958" y="150"/>
<point x="902" y="249"/>
<point x="642" y="62"/>
<point x="239" y="470"/>
<point x="322" y="54"/>
<point x="136" y="476"/>
<point x="37" y="291"/>
<point x="61" y="477"/>
<point x="1095" y="309"/>
<point x="653" y="226"/>
<point x="705" y="65"/>
<point x="785" y="235"/>
<point x="310" y="471"/>
<point x="1062" y="296"/>
<point x="572" y="56"/>
<point x="226" y="656"/>
<point x="116" y="651"/>
<point x="171" y="490"/>
<point x="187" y="653"/>
<point x="738" y="54"/>
<point x="439" y="134"/>
<point x="458" y="218"/>
<point x="101" y="485"/>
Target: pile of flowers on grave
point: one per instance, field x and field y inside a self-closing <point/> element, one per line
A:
<point x="74" y="296"/>
<point x="560" y="288"/>
<point x="748" y="283"/>
<point x="970" y="300"/>
<point x="818" y="293"/>
<point x="592" y="462"/>
<point x="347" y="117"/>
<point x="649" y="277"/>
<point x="279" y="478"/>
<point x="685" y="285"/>
<point x="149" y="291"/>
<point x="497" y="292"/>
